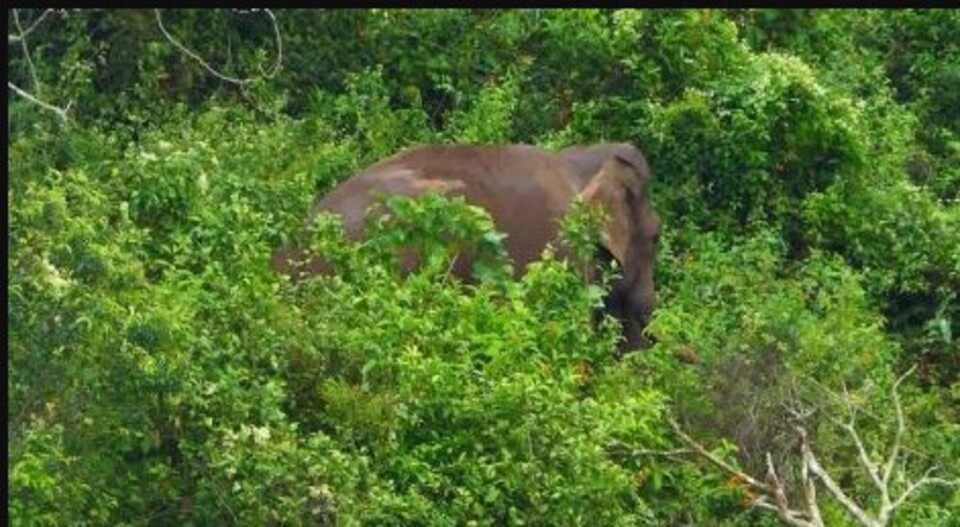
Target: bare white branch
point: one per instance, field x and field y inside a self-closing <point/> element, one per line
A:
<point x="914" y="487"/>
<point x="901" y="427"/>
<point x="699" y="449"/>
<point x="21" y="37"/>
<point x="881" y="477"/>
<point x="811" y="462"/>
<point x="276" y="32"/>
<point x="36" y="23"/>
<point x="810" y="495"/>
<point x="26" y="51"/>
<point x="850" y="426"/>
<point x="62" y="112"/>
<point x="773" y="495"/>
<point x="210" y="69"/>
<point x="782" y="506"/>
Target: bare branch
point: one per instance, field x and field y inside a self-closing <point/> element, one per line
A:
<point x="276" y="32"/>
<point x="850" y="426"/>
<point x="810" y="495"/>
<point x="210" y="69"/>
<point x="917" y="485"/>
<point x="774" y="495"/>
<point x="62" y="112"/>
<point x="36" y="23"/>
<point x="194" y="56"/>
<point x="901" y="427"/>
<point x="782" y="506"/>
<point x="763" y="502"/>
<point x="699" y="449"/>
<point x="26" y="51"/>
<point x="22" y="39"/>
<point x="634" y="451"/>
<point x="811" y="461"/>
<point x="793" y="517"/>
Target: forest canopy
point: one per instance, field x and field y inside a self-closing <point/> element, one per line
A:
<point x="807" y="333"/>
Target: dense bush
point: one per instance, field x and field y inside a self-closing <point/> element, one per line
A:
<point x="161" y="373"/>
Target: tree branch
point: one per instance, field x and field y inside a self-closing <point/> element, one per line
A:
<point x="901" y="427"/>
<point x="699" y="449"/>
<point x="917" y="485"/>
<point x="210" y="69"/>
<point x="774" y="496"/>
<point x="850" y="427"/>
<point x="782" y="506"/>
<point x="276" y="32"/>
<point x="26" y="50"/>
<point x="22" y="39"/>
<point x="811" y="462"/>
<point x="810" y="495"/>
<point x="62" y="112"/>
<point x="36" y="23"/>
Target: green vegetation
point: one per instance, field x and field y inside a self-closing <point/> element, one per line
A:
<point x="807" y="169"/>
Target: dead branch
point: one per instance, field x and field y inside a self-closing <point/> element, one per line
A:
<point x="36" y="23"/>
<point x="810" y="518"/>
<point x="726" y="467"/>
<point x="773" y="493"/>
<point x="21" y="37"/>
<point x="210" y="69"/>
<point x="62" y="112"/>
<point x="810" y="461"/>
<point x="26" y="51"/>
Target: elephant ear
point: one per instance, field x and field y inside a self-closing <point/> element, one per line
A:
<point x="613" y="187"/>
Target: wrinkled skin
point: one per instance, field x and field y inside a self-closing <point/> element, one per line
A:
<point x="632" y="298"/>
<point x="527" y="191"/>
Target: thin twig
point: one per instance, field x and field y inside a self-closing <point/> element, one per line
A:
<point x="698" y="448"/>
<point x="62" y="112"/>
<point x="36" y="23"/>
<point x="279" y="61"/>
<point x="26" y="52"/>
<point x="901" y="427"/>
<point x="638" y="452"/>
<point x="210" y="69"/>
<point x="917" y="485"/>
<point x="811" y="461"/>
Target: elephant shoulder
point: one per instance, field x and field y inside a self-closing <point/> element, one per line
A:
<point x="412" y="181"/>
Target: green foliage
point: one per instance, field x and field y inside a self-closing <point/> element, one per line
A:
<point x="764" y="321"/>
<point x="772" y="340"/>
<point x="473" y="406"/>
<point x="748" y="150"/>
<point x="805" y="165"/>
<point x="489" y="119"/>
<point x="365" y="112"/>
<point x="440" y="234"/>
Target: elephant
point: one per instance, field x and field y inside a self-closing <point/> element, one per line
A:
<point x="634" y="293"/>
<point x="526" y="190"/>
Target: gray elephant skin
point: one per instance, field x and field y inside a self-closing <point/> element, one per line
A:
<point x="526" y="190"/>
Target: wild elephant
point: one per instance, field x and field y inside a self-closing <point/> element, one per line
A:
<point x="634" y="293"/>
<point x="526" y="190"/>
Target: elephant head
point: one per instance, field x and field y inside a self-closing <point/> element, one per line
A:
<point x="617" y="175"/>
